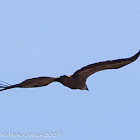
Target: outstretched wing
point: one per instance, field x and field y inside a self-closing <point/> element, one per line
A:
<point x="37" y="82"/>
<point x="86" y="71"/>
<point x="34" y="82"/>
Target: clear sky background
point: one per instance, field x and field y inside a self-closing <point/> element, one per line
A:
<point x="57" y="37"/>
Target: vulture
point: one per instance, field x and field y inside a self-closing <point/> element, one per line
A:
<point x="76" y="80"/>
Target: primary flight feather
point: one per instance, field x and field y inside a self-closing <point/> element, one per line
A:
<point x="78" y="79"/>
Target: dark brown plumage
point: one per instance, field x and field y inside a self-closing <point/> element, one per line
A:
<point x="78" y="79"/>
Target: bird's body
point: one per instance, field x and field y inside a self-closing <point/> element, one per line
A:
<point x="71" y="81"/>
<point x="78" y="79"/>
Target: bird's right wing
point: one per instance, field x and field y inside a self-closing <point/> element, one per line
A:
<point x="34" y="82"/>
<point x="86" y="71"/>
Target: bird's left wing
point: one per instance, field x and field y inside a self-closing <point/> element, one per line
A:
<point x="34" y="82"/>
<point x="114" y="64"/>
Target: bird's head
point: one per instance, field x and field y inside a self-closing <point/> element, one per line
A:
<point x="85" y="87"/>
<point x="63" y="76"/>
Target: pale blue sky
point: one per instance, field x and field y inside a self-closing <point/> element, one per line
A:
<point x="56" y="37"/>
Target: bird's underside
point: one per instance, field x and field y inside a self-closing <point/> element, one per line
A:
<point x="75" y="81"/>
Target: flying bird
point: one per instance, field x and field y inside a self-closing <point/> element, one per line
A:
<point x="75" y="81"/>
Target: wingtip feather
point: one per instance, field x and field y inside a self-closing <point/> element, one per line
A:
<point x="133" y="58"/>
<point x="8" y="87"/>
